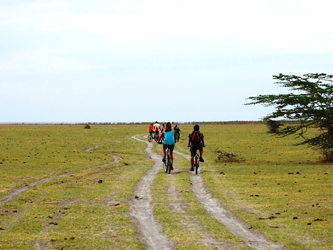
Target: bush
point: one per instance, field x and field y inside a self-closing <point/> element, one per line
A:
<point x="273" y="126"/>
<point x="87" y="126"/>
<point x="224" y="156"/>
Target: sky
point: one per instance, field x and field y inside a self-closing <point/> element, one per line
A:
<point x="151" y="60"/>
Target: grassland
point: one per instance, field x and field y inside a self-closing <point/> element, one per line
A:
<point x="279" y="189"/>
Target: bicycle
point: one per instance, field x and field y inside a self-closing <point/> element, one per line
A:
<point x="196" y="162"/>
<point x="167" y="164"/>
<point x="151" y="136"/>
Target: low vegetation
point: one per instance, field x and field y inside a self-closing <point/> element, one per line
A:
<point x="278" y="189"/>
<point x="228" y="156"/>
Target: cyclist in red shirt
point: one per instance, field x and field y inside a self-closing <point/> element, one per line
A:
<point x="150" y="129"/>
<point x="196" y="142"/>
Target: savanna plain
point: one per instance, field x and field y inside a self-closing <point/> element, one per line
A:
<point x="76" y="185"/>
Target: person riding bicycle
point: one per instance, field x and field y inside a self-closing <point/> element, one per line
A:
<point x="177" y="131"/>
<point x="196" y="142"/>
<point x="156" y="129"/>
<point x="150" y="129"/>
<point x="169" y="140"/>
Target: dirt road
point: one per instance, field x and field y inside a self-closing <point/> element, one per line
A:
<point x="150" y="230"/>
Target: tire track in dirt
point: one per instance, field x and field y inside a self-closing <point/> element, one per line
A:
<point x="203" y="236"/>
<point x="150" y="232"/>
<point x="18" y="191"/>
<point x="251" y="237"/>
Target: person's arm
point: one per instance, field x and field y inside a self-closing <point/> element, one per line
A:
<point x="203" y="140"/>
<point x="189" y="142"/>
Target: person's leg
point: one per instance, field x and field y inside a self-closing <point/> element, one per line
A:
<point x="171" y="156"/>
<point x="193" y="152"/>
<point x="201" y="153"/>
<point x="163" y="159"/>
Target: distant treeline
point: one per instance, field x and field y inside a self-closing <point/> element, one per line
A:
<point x="285" y="122"/>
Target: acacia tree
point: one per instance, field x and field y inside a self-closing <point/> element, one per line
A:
<point x="310" y="102"/>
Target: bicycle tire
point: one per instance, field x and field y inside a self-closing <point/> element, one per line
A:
<point x="169" y="162"/>
<point x="165" y="168"/>
<point x="149" y="138"/>
<point x="196" y="163"/>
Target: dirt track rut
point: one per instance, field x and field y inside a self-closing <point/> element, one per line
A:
<point x="18" y="191"/>
<point x="150" y="232"/>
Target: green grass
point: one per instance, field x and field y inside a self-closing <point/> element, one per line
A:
<point x="75" y="212"/>
<point x="280" y="190"/>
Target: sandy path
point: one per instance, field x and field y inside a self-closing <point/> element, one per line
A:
<point x="150" y="232"/>
<point x="18" y="191"/>
<point x="251" y="237"/>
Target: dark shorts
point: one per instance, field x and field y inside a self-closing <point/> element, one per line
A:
<point x="170" y="147"/>
<point x="194" y="148"/>
<point x="157" y="133"/>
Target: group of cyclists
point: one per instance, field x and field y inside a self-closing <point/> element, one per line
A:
<point x="168" y="136"/>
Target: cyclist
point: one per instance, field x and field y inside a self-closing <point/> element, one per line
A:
<point x="177" y="131"/>
<point x="169" y="140"/>
<point x="196" y="142"/>
<point x="150" y="129"/>
<point x="156" y="129"/>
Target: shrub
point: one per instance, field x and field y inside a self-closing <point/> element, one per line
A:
<point x="273" y="126"/>
<point x="224" y="156"/>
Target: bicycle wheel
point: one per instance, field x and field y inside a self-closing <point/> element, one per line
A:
<point x="196" y="163"/>
<point x="168" y="161"/>
<point x="169" y="165"/>
<point x="165" y="167"/>
<point x="149" y="138"/>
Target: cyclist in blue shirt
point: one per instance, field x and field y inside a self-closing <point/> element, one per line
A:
<point x="169" y="139"/>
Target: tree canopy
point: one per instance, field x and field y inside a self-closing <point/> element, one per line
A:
<point x="310" y="102"/>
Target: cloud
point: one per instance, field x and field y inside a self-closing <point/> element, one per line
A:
<point x="290" y="25"/>
<point x="40" y="61"/>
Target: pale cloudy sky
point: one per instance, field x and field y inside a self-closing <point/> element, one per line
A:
<point x="147" y="60"/>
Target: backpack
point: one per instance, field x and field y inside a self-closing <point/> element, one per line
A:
<point x="195" y="137"/>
